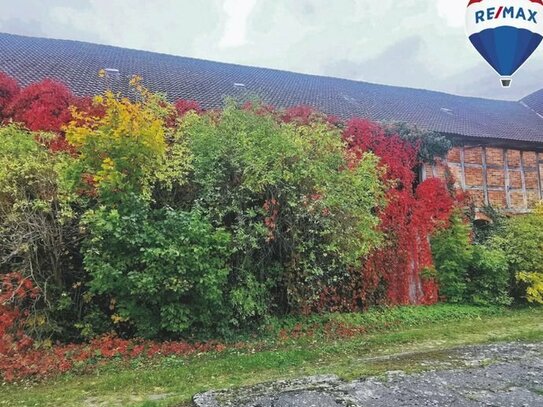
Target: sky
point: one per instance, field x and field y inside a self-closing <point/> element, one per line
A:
<point x="414" y="43"/>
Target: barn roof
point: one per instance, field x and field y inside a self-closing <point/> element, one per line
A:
<point x="30" y="59"/>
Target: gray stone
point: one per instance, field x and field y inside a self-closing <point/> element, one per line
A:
<point x="504" y="375"/>
<point x="296" y="399"/>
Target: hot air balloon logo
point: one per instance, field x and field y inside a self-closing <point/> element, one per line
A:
<point x="505" y="32"/>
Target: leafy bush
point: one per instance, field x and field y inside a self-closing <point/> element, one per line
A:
<point x="301" y="211"/>
<point x="126" y="153"/>
<point x="522" y="241"/>
<point x="467" y="272"/>
<point x="43" y="106"/>
<point x="126" y="149"/>
<point x="453" y="255"/>
<point x="164" y="271"/>
<point x="489" y="280"/>
<point x="38" y="231"/>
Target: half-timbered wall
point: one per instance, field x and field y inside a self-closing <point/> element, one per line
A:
<point x="503" y="178"/>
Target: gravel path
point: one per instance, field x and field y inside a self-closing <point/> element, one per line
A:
<point x="504" y="375"/>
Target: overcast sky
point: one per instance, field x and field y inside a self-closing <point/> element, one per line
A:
<point x="415" y="43"/>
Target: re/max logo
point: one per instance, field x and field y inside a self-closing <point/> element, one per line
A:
<point x="494" y="13"/>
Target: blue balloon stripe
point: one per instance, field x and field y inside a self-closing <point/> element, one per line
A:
<point x="486" y="49"/>
<point x="534" y="44"/>
<point x="525" y="49"/>
<point x="506" y="48"/>
<point x="506" y="43"/>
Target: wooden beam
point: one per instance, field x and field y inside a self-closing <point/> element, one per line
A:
<point x="485" y="176"/>
<point x="463" y="169"/>
<point x="422" y="172"/>
<point x="507" y="179"/>
<point x="523" y="178"/>
<point x="538" y="158"/>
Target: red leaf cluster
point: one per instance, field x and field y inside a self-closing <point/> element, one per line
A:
<point x="16" y="294"/>
<point x="259" y="108"/>
<point x="408" y="220"/>
<point x="21" y="358"/>
<point x="43" y="106"/>
<point x="23" y="361"/>
<point x="305" y="115"/>
<point x="182" y="107"/>
<point x="9" y="89"/>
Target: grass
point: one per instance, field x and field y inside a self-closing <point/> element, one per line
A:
<point x="417" y="334"/>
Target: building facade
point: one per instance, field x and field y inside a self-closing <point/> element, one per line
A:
<point x="504" y="178"/>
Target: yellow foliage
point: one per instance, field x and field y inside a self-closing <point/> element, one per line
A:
<point x="127" y="145"/>
<point x="117" y="319"/>
<point x="124" y="120"/>
<point x="534" y="292"/>
<point x="539" y="209"/>
<point x="533" y="276"/>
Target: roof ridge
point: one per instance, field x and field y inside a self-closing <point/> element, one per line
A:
<point x="320" y="76"/>
<point x="522" y="103"/>
<point x="76" y="63"/>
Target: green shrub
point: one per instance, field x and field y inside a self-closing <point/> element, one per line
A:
<point x="165" y="271"/>
<point x="453" y="255"/>
<point x="483" y="231"/>
<point x="300" y="211"/>
<point x="473" y="273"/>
<point x="489" y="277"/>
<point x="39" y="236"/>
<point x="522" y="241"/>
<point x="287" y="213"/>
<point x="145" y="265"/>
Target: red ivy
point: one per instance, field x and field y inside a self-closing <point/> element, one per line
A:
<point x="8" y="90"/>
<point x="408" y="220"/>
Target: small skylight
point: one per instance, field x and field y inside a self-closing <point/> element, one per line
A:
<point x="239" y="85"/>
<point x="112" y="73"/>
<point x="447" y="110"/>
<point x="348" y="98"/>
